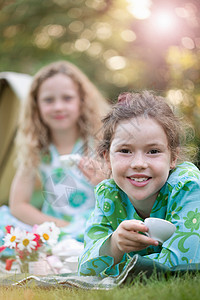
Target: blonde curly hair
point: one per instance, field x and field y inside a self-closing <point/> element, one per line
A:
<point x="33" y="135"/>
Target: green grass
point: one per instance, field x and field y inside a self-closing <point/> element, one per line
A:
<point x="182" y="288"/>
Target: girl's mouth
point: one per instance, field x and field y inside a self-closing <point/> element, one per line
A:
<point x="139" y="181"/>
<point x="59" y="117"/>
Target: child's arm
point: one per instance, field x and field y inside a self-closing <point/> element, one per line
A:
<point x="20" y="195"/>
<point x="184" y="211"/>
<point x="105" y="248"/>
<point x="108" y="239"/>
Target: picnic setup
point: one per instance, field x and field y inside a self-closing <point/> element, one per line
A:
<point x="100" y="149"/>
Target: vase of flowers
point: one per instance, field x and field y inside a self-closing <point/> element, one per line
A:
<point x="31" y="248"/>
<point x="26" y="260"/>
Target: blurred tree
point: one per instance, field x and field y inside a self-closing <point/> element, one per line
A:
<point x="37" y="32"/>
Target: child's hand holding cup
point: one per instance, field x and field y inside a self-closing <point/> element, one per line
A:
<point x="159" y="229"/>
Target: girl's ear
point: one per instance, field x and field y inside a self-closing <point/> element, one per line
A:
<point x="174" y="159"/>
<point x="106" y="157"/>
<point x="173" y="164"/>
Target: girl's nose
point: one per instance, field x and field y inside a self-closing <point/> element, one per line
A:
<point x="58" y="105"/>
<point x="138" y="161"/>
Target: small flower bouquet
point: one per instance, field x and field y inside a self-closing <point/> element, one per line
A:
<point x="30" y="246"/>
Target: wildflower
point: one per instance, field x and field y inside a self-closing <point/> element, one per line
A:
<point x="48" y="232"/>
<point x="12" y="238"/>
<point x="27" y="242"/>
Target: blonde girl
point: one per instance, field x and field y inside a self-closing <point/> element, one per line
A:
<point x="62" y="115"/>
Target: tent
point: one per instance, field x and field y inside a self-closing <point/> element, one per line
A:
<point x="13" y="90"/>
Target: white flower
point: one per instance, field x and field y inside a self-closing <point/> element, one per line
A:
<point x="12" y="238"/>
<point x="27" y="241"/>
<point x="48" y="232"/>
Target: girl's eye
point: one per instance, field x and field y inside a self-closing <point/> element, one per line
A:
<point x="154" y="151"/>
<point x="125" y="151"/>
<point x="67" y="98"/>
<point x="48" y="100"/>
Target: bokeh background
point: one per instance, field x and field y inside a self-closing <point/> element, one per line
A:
<point x="122" y="45"/>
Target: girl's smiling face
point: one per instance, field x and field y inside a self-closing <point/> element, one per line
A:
<point x="140" y="160"/>
<point x="59" y="103"/>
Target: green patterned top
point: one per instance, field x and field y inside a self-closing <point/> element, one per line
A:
<point x="178" y="201"/>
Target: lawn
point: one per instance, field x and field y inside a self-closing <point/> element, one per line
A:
<point x="181" y="288"/>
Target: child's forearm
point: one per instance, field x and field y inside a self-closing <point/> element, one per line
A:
<point x="110" y="248"/>
<point x="31" y="215"/>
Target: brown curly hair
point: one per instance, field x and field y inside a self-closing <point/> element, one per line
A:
<point x="147" y="104"/>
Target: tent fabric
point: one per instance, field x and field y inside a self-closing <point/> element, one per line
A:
<point x="19" y="83"/>
<point x="14" y="88"/>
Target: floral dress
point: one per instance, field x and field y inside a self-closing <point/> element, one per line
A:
<point x="178" y="202"/>
<point x="68" y="194"/>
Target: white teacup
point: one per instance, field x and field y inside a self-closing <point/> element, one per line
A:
<point x="72" y="263"/>
<point x="159" y="229"/>
<point x="70" y="160"/>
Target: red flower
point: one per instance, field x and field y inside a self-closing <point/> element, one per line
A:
<point x="8" y="228"/>
<point x="37" y="239"/>
<point x="2" y="248"/>
<point x="9" y="263"/>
